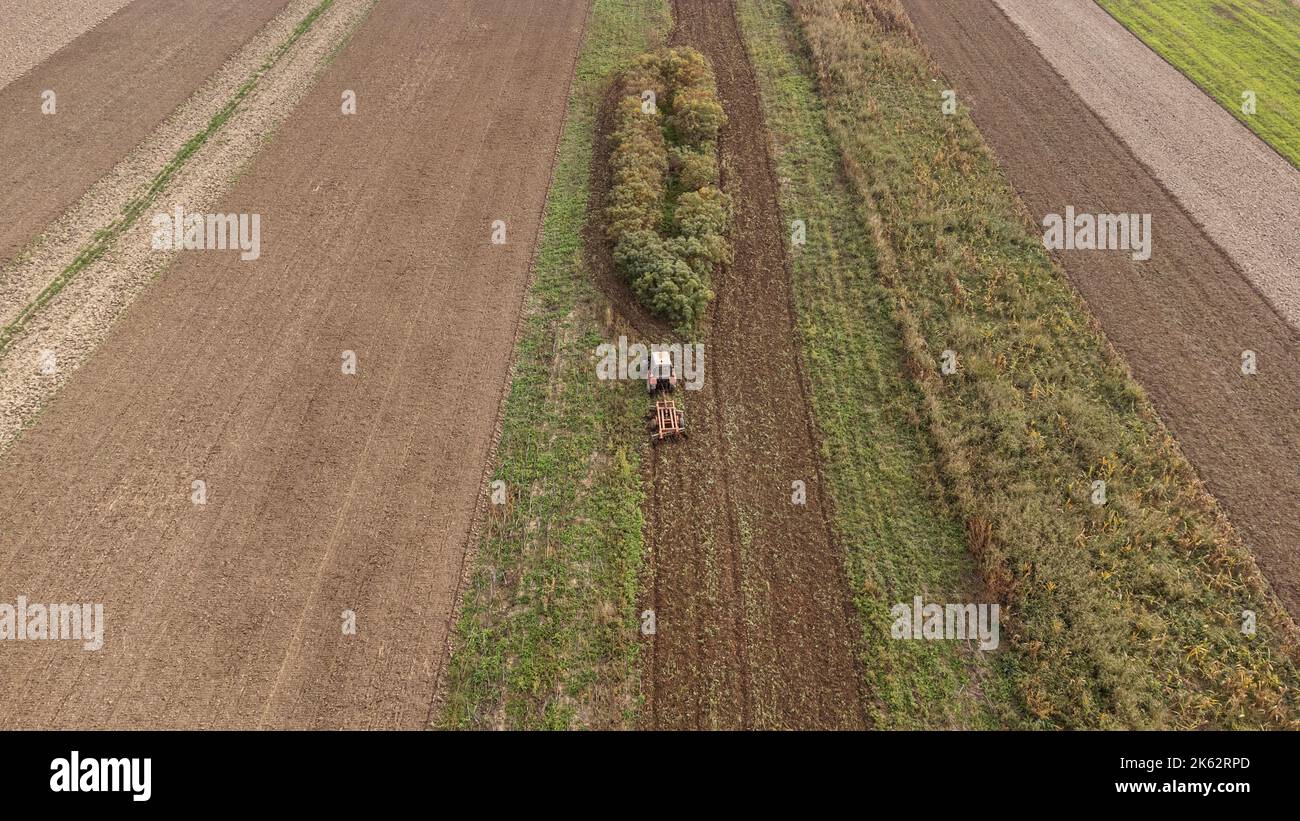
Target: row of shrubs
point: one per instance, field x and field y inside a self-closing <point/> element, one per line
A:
<point x="666" y="214"/>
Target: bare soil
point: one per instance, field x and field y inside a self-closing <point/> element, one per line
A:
<point x="326" y="492"/>
<point x="1181" y="319"/>
<point x="34" y="31"/>
<point x="1242" y="193"/>
<point x="78" y="319"/>
<point x="754" y="624"/>
<point x="113" y="85"/>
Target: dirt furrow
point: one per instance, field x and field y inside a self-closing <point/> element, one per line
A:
<point x="753" y="620"/>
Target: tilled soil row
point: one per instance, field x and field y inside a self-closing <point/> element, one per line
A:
<point x="34" y="31"/>
<point x="1182" y="319"/>
<point x="1243" y="194"/>
<point x="69" y="327"/>
<point x="112" y="86"/>
<point x="753" y="618"/>
<point x="329" y="496"/>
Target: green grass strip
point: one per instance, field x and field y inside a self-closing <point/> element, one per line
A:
<point x="547" y="636"/>
<point x="1227" y="48"/>
<point x="1122" y="614"/>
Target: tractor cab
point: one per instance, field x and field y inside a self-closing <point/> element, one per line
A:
<point x="662" y="374"/>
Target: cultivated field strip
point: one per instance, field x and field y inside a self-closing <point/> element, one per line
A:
<point x="34" y="31"/>
<point x="48" y="303"/>
<point x="749" y="589"/>
<point x="327" y="492"/>
<point x="112" y="87"/>
<point x="1242" y="193"/>
<point x="1181" y="319"/>
<point x="568" y="536"/>
<point x="1245" y="56"/>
